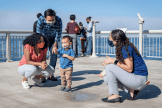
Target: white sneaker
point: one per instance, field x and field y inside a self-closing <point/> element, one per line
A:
<point x="25" y="85"/>
<point x="82" y="55"/>
<point x="38" y="81"/>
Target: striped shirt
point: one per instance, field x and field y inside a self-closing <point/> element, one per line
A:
<point x="50" y="30"/>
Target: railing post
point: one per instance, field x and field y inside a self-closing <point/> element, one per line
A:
<point x="8" y="47"/>
<point x="94" y="39"/>
<point x="141" y="21"/>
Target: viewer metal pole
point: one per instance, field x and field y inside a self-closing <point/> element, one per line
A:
<point x="94" y="39"/>
<point x="141" y="21"/>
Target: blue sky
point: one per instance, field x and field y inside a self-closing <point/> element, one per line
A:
<point x="21" y="14"/>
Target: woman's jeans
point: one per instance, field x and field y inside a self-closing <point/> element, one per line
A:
<point x="30" y="70"/>
<point x="116" y="78"/>
<point x="53" y="57"/>
<point x="74" y="44"/>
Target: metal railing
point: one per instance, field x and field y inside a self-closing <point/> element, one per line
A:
<point x="151" y="46"/>
<point x="151" y="43"/>
<point x="11" y="46"/>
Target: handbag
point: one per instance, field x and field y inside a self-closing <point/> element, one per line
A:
<point x="77" y="29"/>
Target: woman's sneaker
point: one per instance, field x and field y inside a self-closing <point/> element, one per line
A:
<point x="67" y="90"/>
<point x="82" y="55"/>
<point x="61" y="89"/>
<point x="25" y="85"/>
<point x="38" y="81"/>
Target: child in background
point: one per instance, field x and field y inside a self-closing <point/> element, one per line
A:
<point x="67" y="55"/>
<point x="83" y="37"/>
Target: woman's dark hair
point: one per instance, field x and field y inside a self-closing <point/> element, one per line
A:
<point x="33" y="40"/>
<point x="80" y="24"/>
<point x="122" y="40"/>
<point x="72" y="17"/>
<point x="68" y="37"/>
<point x="49" y="12"/>
<point x="38" y="15"/>
<point x="89" y="18"/>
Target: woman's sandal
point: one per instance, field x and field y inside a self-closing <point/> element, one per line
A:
<point x="136" y="92"/>
<point x="115" y="100"/>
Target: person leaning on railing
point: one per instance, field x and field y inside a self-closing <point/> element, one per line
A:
<point x="33" y="62"/>
<point x="83" y="38"/>
<point x="50" y="25"/>
<point x="35" y="23"/>
<point x="128" y="72"/>
<point x="89" y="36"/>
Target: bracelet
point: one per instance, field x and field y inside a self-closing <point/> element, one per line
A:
<point x="116" y="61"/>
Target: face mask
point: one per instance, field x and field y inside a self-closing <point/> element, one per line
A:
<point x="81" y="27"/>
<point x="110" y="43"/>
<point x="63" y="46"/>
<point x="40" y="45"/>
<point x="87" y="22"/>
<point x="50" y="23"/>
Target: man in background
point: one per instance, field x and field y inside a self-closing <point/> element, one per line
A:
<point x="35" y="23"/>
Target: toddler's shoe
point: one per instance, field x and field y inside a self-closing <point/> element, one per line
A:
<point x="67" y="90"/>
<point x="61" y="89"/>
<point x="38" y="81"/>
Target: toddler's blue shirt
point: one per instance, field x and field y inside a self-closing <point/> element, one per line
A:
<point x="65" y="62"/>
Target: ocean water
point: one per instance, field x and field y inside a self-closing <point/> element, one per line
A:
<point x="152" y="46"/>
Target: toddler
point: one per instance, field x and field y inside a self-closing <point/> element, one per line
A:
<point x="67" y="55"/>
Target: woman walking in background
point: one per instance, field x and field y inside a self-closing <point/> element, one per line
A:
<point x="70" y="28"/>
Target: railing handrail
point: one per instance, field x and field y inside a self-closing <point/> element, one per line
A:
<point x="9" y="32"/>
<point x="97" y="32"/>
<point x="21" y="31"/>
<point x="133" y="32"/>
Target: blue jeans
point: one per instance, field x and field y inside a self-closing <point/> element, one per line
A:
<point x="53" y="58"/>
<point x="89" y="45"/>
<point x="74" y="44"/>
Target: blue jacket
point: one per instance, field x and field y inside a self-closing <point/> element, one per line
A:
<point x="82" y="32"/>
